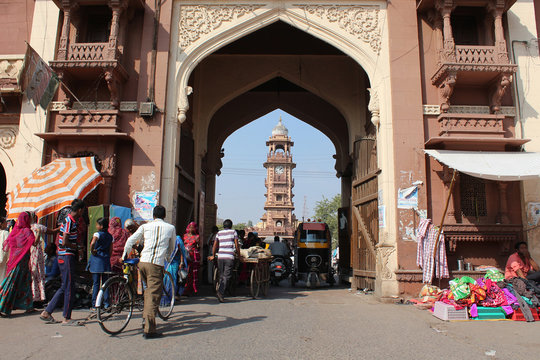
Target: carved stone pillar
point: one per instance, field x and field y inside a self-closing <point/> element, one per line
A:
<point x="445" y="7"/>
<point x="502" y="217"/>
<point x="496" y="8"/>
<point x="64" y="37"/>
<point x="115" y="27"/>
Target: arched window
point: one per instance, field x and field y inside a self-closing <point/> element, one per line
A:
<point x="279" y="224"/>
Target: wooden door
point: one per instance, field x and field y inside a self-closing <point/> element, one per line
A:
<point x="364" y="214"/>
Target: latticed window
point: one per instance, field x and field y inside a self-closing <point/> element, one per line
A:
<point x="473" y="196"/>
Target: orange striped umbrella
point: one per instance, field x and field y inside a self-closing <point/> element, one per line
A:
<point x="54" y="186"/>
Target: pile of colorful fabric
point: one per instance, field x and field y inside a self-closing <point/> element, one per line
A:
<point x="492" y="291"/>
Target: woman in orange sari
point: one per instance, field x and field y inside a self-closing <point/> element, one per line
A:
<point x="191" y="242"/>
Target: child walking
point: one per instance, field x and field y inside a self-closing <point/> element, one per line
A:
<point x="100" y="258"/>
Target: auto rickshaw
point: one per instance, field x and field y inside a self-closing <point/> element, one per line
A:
<point x="312" y="255"/>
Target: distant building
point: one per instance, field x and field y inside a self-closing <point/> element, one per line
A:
<point x="279" y="218"/>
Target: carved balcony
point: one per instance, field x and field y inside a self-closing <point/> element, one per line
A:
<point x="473" y="129"/>
<point x="478" y="64"/>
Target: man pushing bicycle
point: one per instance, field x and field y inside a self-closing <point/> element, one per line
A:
<point x="158" y="239"/>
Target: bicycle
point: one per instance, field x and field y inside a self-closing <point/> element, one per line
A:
<point x="120" y="291"/>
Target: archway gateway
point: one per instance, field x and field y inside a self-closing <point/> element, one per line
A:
<point x="225" y="70"/>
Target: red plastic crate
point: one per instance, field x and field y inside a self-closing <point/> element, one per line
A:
<point x="518" y="315"/>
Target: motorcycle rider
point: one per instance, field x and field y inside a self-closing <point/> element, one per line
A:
<point x="280" y="249"/>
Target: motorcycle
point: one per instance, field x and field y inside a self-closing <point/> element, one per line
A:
<point x="278" y="270"/>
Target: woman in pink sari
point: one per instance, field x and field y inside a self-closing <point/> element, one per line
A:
<point x="16" y="289"/>
<point x="120" y="237"/>
<point x="191" y="242"/>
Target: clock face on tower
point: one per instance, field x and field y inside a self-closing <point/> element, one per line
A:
<point x="279" y="169"/>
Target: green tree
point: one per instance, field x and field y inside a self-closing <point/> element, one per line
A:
<point x="239" y="226"/>
<point x="327" y="210"/>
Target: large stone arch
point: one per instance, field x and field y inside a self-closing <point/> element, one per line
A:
<point x="306" y="106"/>
<point x="358" y="30"/>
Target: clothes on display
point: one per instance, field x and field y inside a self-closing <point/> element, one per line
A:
<point x="426" y="258"/>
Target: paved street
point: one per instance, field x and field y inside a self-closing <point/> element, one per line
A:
<point x="289" y="324"/>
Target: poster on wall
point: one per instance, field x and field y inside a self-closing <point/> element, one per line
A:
<point x="382" y="216"/>
<point x="144" y="203"/>
<point x="408" y="198"/>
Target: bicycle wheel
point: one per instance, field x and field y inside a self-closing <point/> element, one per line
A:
<point x="166" y="305"/>
<point x="115" y="317"/>
<point x="254" y="285"/>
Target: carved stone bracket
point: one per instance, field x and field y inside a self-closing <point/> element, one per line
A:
<point x="184" y="104"/>
<point x="113" y="84"/>
<point x="199" y="20"/>
<point x="446" y="89"/>
<point x="498" y="90"/>
<point x="109" y="166"/>
<point x="374" y="106"/>
<point x="360" y="21"/>
<point x="8" y="137"/>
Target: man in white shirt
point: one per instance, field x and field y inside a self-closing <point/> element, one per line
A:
<point x="158" y="239"/>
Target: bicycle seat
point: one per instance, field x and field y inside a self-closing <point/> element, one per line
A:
<point x="132" y="261"/>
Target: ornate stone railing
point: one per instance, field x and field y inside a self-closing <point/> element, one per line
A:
<point x="471" y="125"/>
<point x="475" y="54"/>
<point x="93" y="121"/>
<point x="88" y="52"/>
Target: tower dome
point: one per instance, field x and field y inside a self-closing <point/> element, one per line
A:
<point x="280" y="129"/>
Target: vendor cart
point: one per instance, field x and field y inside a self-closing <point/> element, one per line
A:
<point x="258" y="278"/>
<point x="259" y="275"/>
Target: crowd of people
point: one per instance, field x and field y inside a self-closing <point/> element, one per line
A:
<point x="28" y="260"/>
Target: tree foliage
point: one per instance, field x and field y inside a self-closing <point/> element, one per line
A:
<point x="327" y="210"/>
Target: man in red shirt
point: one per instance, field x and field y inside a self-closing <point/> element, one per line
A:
<point x="520" y="264"/>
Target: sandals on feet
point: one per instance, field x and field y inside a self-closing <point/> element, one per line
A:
<point x="47" y="319"/>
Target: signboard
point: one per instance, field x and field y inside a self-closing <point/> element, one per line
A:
<point x="144" y="203"/>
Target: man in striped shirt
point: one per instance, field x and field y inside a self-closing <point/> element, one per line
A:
<point x="67" y="252"/>
<point x="158" y="239"/>
<point x="225" y="246"/>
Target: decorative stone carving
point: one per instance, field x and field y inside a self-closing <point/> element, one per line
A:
<point x="109" y="165"/>
<point x="10" y="67"/>
<point x="125" y="106"/>
<point x="184" y="104"/>
<point x="102" y="120"/>
<point x="474" y="124"/>
<point x="383" y="254"/>
<point x="374" y="107"/>
<point x="498" y="91"/>
<point x="199" y="20"/>
<point x="8" y="137"/>
<point x="505" y="235"/>
<point x="446" y="89"/>
<point x="359" y="21"/>
<point x="509" y="111"/>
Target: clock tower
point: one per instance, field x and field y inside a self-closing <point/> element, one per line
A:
<point x="279" y="218"/>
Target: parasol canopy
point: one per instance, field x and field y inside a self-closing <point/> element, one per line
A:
<point x="54" y="186"/>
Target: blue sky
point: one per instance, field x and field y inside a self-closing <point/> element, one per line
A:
<point x="240" y="187"/>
